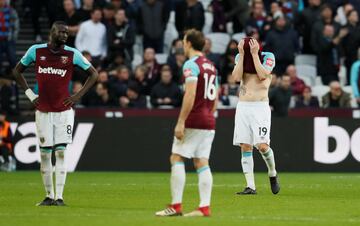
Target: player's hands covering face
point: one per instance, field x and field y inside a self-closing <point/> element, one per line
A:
<point x="179" y="131"/>
<point x="241" y="47"/>
<point x="254" y="46"/>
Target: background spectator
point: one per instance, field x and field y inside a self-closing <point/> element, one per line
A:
<point x="119" y="82"/>
<point x="237" y="11"/>
<point x="189" y="14"/>
<point x="92" y="37"/>
<point x="280" y="97"/>
<point x="297" y="84"/>
<point x="85" y="10"/>
<point x="102" y="97"/>
<point x="9" y="29"/>
<point x="153" y="17"/>
<point x="351" y="41"/>
<point x="305" y="22"/>
<point x="257" y="19"/>
<point x="327" y="49"/>
<point x="282" y="40"/>
<point x="72" y="18"/>
<point x="176" y="65"/>
<point x="336" y="97"/>
<point x="214" y="57"/>
<point x="217" y="8"/>
<point x="140" y="79"/>
<point x="228" y="60"/>
<point x="121" y="38"/>
<point x="133" y="98"/>
<point x="306" y="100"/>
<point x="153" y="73"/>
<point x="166" y="92"/>
<point x="108" y="15"/>
<point x="6" y="96"/>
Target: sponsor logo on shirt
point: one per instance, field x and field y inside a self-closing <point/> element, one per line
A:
<point x="51" y="70"/>
<point x="43" y="58"/>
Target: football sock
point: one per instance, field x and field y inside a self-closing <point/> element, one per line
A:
<point x="205" y="185"/>
<point x="47" y="172"/>
<point x="247" y="163"/>
<point x="269" y="159"/>
<point x="60" y="172"/>
<point x="177" y="182"/>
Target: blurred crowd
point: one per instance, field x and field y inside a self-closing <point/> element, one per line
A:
<point x="126" y="40"/>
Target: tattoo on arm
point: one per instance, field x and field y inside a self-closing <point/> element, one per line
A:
<point x="242" y="90"/>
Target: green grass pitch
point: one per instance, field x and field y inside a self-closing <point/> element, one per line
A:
<point x="124" y="199"/>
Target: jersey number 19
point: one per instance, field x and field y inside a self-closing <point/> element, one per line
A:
<point x="210" y="88"/>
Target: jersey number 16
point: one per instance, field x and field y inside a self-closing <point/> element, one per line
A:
<point x="210" y="88"/>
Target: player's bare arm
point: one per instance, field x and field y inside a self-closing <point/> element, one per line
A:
<point x="238" y="71"/>
<point x="20" y="80"/>
<point x="262" y="73"/>
<point x="93" y="75"/>
<point x="187" y="105"/>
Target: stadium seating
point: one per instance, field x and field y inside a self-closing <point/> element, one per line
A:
<point x="219" y="41"/>
<point x="161" y="58"/>
<point x="320" y="91"/>
<point x="307" y="71"/>
<point x="348" y="89"/>
<point x="342" y="75"/>
<point x="238" y="36"/>
<point x="137" y="60"/>
<point x="209" y="18"/>
<point x="306" y="59"/>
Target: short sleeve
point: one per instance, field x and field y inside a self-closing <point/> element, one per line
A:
<point x="29" y="56"/>
<point x="80" y="61"/>
<point x="268" y="61"/>
<point x="237" y="58"/>
<point x="191" y="71"/>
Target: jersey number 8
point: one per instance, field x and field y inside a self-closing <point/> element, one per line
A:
<point x="210" y="88"/>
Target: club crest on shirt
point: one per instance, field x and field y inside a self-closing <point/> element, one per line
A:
<point x="42" y="140"/>
<point x="269" y="62"/>
<point x="64" y="59"/>
<point x="187" y="72"/>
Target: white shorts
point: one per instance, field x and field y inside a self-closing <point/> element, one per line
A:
<point x="195" y="144"/>
<point x="54" y="127"/>
<point x="252" y="123"/>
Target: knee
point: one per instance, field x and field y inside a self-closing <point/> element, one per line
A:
<point x="60" y="154"/>
<point x="262" y="147"/>
<point x="176" y="158"/>
<point x="246" y="147"/>
<point x="199" y="163"/>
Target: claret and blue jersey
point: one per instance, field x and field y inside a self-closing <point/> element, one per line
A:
<point x="54" y="71"/>
<point x="202" y="71"/>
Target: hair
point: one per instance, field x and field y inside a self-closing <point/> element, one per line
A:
<point x="165" y="67"/>
<point x="95" y="9"/>
<point x="350" y="12"/>
<point x="325" y="6"/>
<point x="196" y="38"/>
<point x="56" y="24"/>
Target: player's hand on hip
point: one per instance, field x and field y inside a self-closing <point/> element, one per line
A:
<point x="36" y="101"/>
<point x="71" y="100"/>
<point x="179" y="131"/>
<point x="241" y="47"/>
<point x="254" y="46"/>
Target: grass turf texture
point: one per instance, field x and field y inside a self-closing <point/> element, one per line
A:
<point x="132" y="198"/>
